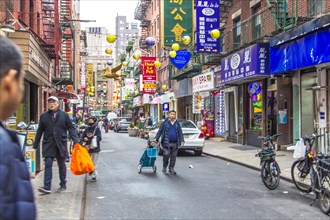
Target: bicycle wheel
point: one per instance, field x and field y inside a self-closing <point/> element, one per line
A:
<point x="270" y="174"/>
<point x="325" y="195"/>
<point x="301" y="177"/>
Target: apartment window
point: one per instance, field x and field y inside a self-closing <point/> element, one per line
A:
<point x="237" y="32"/>
<point x="256" y="22"/>
<point x="316" y="7"/>
<point x="121" y="28"/>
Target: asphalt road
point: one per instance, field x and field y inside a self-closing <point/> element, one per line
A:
<point x="212" y="189"/>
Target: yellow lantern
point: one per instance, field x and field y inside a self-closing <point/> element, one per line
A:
<point x="175" y="46"/>
<point x="164" y="87"/>
<point x="172" y="53"/>
<point x="111" y="38"/>
<point x="136" y="56"/>
<point x="157" y="64"/>
<point x="108" y="51"/>
<point x="186" y="40"/>
<point x="104" y="87"/>
<point x="88" y="89"/>
<point x="124" y="63"/>
<point x="136" y="92"/>
<point x="215" y="34"/>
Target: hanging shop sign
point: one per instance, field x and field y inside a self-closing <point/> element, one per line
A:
<point x="166" y="107"/>
<point x="137" y="101"/>
<point x="90" y="79"/>
<point x="203" y="82"/>
<point x="249" y="62"/>
<point x="177" y="21"/>
<point x="219" y="116"/>
<point x="254" y="88"/>
<point x="181" y="59"/>
<point x="82" y="76"/>
<point x="207" y="19"/>
<point x="149" y="75"/>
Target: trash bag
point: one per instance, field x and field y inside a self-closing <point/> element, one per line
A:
<point x="81" y="162"/>
<point x="300" y="149"/>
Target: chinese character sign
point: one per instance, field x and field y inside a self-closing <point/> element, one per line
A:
<point x="207" y="19"/>
<point x="251" y="61"/>
<point x="149" y="75"/>
<point x="90" y="79"/>
<point x="177" y="21"/>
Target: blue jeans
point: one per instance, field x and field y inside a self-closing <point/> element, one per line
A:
<point x="49" y="171"/>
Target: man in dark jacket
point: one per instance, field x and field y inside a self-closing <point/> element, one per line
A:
<point x="54" y="126"/>
<point x="16" y="194"/>
<point x="171" y="136"/>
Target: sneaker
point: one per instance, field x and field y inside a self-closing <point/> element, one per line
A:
<point x="164" y="169"/>
<point x="61" y="189"/>
<point x="44" y="190"/>
<point x="172" y="171"/>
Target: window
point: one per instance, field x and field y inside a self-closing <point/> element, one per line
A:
<point x="121" y="28"/>
<point x="187" y="124"/>
<point x="316" y="7"/>
<point x="237" y="33"/>
<point x="256" y="22"/>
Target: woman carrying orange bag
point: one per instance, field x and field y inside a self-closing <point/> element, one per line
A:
<point x="92" y="137"/>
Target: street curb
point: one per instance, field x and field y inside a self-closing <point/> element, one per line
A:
<point x="244" y="165"/>
<point x="83" y="200"/>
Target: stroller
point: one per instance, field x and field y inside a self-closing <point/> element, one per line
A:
<point x="148" y="157"/>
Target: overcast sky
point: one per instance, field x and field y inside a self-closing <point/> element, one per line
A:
<point x="105" y="12"/>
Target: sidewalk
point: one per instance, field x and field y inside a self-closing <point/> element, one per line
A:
<point x="64" y="205"/>
<point x="244" y="155"/>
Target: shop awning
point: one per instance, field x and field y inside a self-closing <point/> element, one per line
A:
<point x="74" y="98"/>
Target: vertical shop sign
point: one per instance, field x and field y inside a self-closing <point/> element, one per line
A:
<point x="149" y="75"/>
<point x="90" y="79"/>
<point x="207" y="19"/>
<point x="82" y="76"/>
<point x="177" y="21"/>
<point x="219" y="116"/>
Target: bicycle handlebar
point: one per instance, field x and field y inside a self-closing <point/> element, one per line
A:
<point x="311" y="137"/>
<point x="268" y="137"/>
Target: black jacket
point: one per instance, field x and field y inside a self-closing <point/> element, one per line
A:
<point x="55" y="134"/>
<point x="163" y="133"/>
<point x="16" y="194"/>
<point x="97" y="136"/>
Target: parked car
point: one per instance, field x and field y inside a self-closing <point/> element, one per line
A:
<point x="122" y="123"/>
<point x="194" y="138"/>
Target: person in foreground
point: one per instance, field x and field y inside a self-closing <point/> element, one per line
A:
<point x="54" y="125"/>
<point x="171" y="136"/>
<point x="16" y="193"/>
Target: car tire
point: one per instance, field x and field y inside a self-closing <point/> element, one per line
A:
<point x="198" y="152"/>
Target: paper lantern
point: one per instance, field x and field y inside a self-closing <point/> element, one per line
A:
<point x="124" y="63"/>
<point x="150" y="41"/>
<point x="111" y="38"/>
<point x="108" y="51"/>
<point x="136" y="92"/>
<point x="186" y="40"/>
<point x="175" y="46"/>
<point x="104" y="87"/>
<point x="136" y="56"/>
<point x="157" y="64"/>
<point x="164" y="87"/>
<point x="69" y="88"/>
<point x="88" y="89"/>
<point x="172" y="53"/>
<point x="157" y="82"/>
<point x="215" y="34"/>
<point x="109" y="63"/>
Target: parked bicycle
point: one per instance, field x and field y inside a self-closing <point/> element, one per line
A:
<point x="312" y="174"/>
<point x="270" y="170"/>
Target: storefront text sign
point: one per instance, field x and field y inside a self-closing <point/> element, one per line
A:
<point x="149" y="75"/>
<point x="203" y="82"/>
<point x="82" y="76"/>
<point x="137" y="101"/>
<point x="182" y="59"/>
<point x="207" y="19"/>
<point x="248" y="62"/>
<point x="177" y="21"/>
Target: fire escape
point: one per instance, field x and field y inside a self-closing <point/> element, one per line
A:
<point x="141" y="15"/>
<point x="66" y="44"/>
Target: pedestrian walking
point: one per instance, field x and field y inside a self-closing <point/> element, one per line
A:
<point x="54" y="126"/>
<point x="171" y="136"/>
<point x="16" y="193"/>
<point x="92" y="137"/>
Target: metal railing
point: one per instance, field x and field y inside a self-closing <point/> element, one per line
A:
<point x="324" y="141"/>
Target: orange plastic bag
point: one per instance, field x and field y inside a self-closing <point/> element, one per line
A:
<point x="81" y="162"/>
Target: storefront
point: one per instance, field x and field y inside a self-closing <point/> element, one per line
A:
<point x="203" y="101"/>
<point x="38" y="68"/>
<point x="309" y="72"/>
<point x="244" y="79"/>
<point x="183" y="99"/>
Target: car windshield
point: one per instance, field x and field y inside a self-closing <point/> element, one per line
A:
<point x="125" y="119"/>
<point x="187" y="124"/>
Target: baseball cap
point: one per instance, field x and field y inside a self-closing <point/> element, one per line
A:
<point x="53" y="98"/>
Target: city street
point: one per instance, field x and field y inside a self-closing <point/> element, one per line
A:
<point x="212" y="189"/>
